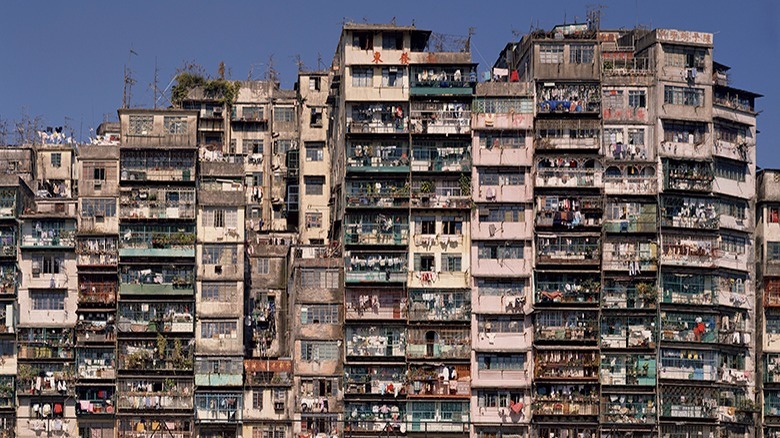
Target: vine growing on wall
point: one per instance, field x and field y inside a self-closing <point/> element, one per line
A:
<point x="222" y="90"/>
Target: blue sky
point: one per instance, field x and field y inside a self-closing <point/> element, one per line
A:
<point x="64" y="61"/>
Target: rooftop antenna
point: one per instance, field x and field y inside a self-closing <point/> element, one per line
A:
<point x="270" y="73"/>
<point x="156" y="90"/>
<point x="128" y="81"/>
<point x="472" y="32"/>
<point x="221" y="69"/>
<point x="594" y="16"/>
<point x="299" y="63"/>
<point x="319" y="61"/>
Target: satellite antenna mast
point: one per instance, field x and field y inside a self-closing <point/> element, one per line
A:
<point x="156" y="90"/>
<point x="299" y="63"/>
<point x="128" y="81"/>
<point x="594" y="16"/>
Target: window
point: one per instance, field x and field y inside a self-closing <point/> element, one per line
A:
<point x="362" y="76"/>
<point x="551" y="53"/>
<point x="514" y="362"/>
<point x="282" y="146"/>
<point x="424" y="263"/>
<point x="56" y="159"/>
<point x="504" y="213"/>
<point x="391" y="77"/>
<point x="774" y="215"/>
<point x="637" y="99"/>
<point x="500" y="250"/>
<point x="496" y="177"/>
<point x="48" y="300"/>
<point x="683" y="96"/>
<point x="503" y="105"/>
<point x="502" y="139"/>
<point x="732" y="207"/>
<point x="284" y="114"/>
<point x="426" y="225"/>
<point x="636" y="137"/>
<point x="451" y="262"/>
<point x="253" y="146"/>
<point x="733" y="244"/>
<point x="499" y="324"/>
<point x="315" y="118"/>
<point x="581" y="54"/>
<point x="773" y="250"/>
<point x="252" y="112"/>
<point x="735" y="171"/>
<point x="269" y="431"/>
<point x="313" y="220"/>
<point x="141" y="125"/>
<point x="218" y="330"/>
<point x="314" y="84"/>
<point x="320" y="314"/>
<point x="99" y="174"/>
<point x="392" y="41"/>
<point x="98" y="207"/>
<point x="684" y="57"/>
<point x="220" y="218"/>
<point x="257" y="399"/>
<point x="315" y="151"/>
<point x="363" y="40"/>
<point x="319" y="351"/>
<point x="263" y="266"/>
<point x="682" y="132"/>
<point x="175" y="125"/>
<point x="613" y="99"/>
<point x="217" y="292"/>
<point x="257" y="179"/>
<point x="451" y="226"/>
<point x="320" y="278"/>
<point x="46" y="264"/>
<point x="223" y="255"/>
<point x="314" y="184"/>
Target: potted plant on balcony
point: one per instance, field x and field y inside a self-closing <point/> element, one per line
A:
<point x="647" y="293"/>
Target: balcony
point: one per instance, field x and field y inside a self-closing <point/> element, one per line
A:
<point x="563" y="289"/>
<point x="157" y="241"/>
<point x="572" y="326"/>
<point x="689" y="327"/>
<point x="218" y="407"/>
<point x="380" y="229"/>
<point x="157" y="165"/>
<point x="7" y="392"/>
<point x="449" y="118"/>
<point x="8" y="279"/>
<point x="375" y="342"/>
<point x="688" y="175"/>
<point x="694" y="403"/>
<point x="439" y="417"/>
<point x="630" y="180"/>
<point x="97" y="291"/>
<point x="449" y="156"/>
<point x="631" y="217"/>
<point x="737" y="149"/>
<point x="8" y="242"/>
<point x="45" y="343"/>
<point x="689" y="212"/>
<point x="96" y="363"/>
<point x="370" y="417"/>
<point x="59" y="381"/>
<point x="620" y="332"/>
<point x="634" y="257"/>
<point x="689" y="289"/>
<point x="438" y="343"/>
<point x="8" y="197"/>
<point x="568" y="212"/>
<point x="566" y="364"/>
<point x="629" y="295"/>
<point x="147" y="356"/>
<point x="372" y="267"/>
<point x="157" y="280"/>
<point x="380" y="157"/>
<point x="503" y="148"/>
<point x="152" y="395"/>
<point x="568" y="249"/>
<point x="565" y="172"/>
<point x="156" y="317"/>
<point x="443" y="81"/>
<point x="619" y="67"/>
<point x="97" y="252"/>
<point x="568" y="98"/>
<point x="95" y="328"/>
<point x="431" y="382"/>
<point x="444" y="279"/>
<point x="552" y="135"/>
<point x="141" y="427"/>
<point x="377" y="194"/>
<point x="95" y="401"/>
<point x="265" y="372"/>
<point x="219" y="371"/>
<point x="680" y="250"/>
<point x="48" y="235"/>
<point x="771" y="292"/>
<point x="157" y="203"/>
<point x="565" y="402"/>
<point x="628" y="370"/>
<point x="377" y="118"/>
<point x="8" y="318"/>
<point x="375" y="380"/>
<point x="630" y="409"/>
<point x="439" y="305"/>
<point x="697" y="365"/>
<point x="375" y="304"/>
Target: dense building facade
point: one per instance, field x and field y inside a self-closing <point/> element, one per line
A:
<point x="564" y="249"/>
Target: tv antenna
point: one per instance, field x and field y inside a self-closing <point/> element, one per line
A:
<point x="128" y="80"/>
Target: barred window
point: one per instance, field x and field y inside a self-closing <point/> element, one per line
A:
<point x="105" y="207"/>
<point x="735" y="171"/>
<point x="362" y="76"/>
<point x="141" y="125"/>
<point x="637" y="99"/>
<point x="217" y="292"/>
<point x="551" y="53"/>
<point x="220" y="218"/>
<point x="48" y="300"/>
<point x="320" y="314"/>
<point x="319" y="351"/>
<point x="320" y="278"/>
<point x="218" y="330"/>
<point x="581" y="54"/>
<point x="500" y="250"/>
<point x="515" y="362"/>
<point x="219" y="255"/>
<point x="683" y="96"/>
<point x="503" y="213"/>
<point x="503" y="106"/>
<point x="684" y="57"/>
<point x="502" y="139"/>
<point x="451" y="262"/>
<point x="284" y="114"/>
<point x="175" y="124"/>
<point x="773" y="250"/>
<point x="313" y="220"/>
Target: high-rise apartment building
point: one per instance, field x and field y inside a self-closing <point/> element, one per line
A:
<point x="564" y="249"/>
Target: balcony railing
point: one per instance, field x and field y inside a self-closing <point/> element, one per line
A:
<point x="378" y="157"/>
<point x="176" y="355"/>
<point x="8" y="279"/>
<point x="377" y="194"/>
<point x="574" y="249"/>
<point x="96" y="363"/>
<point x="430" y="382"/>
<point x="562" y="364"/>
<point x="568" y="98"/>
<point x="218" y="407"/>
<point x="688" y="365"/>
<point x="629" y="296"/>
<point x="562" y="177"/>
<point x="102" y="292"/>
<point x="440" y="118"/>
<point x="156" y="281"/>
<point x="448" y="81"/>
<point x="689" y="327"/>
<point x="696" y="213"/>
<point x="157" y="241"/>
<point x="44" y="343"/>
<point x="438" y="344"/>
<point x="628" y="409"/>
<point x="564" y="407"/>
<point x="628" y="370"/>
<point x="375" y="342"/>
<point x="628" y="332"/>
<point x="41" y="237"/>
<point x="157" y="203"/>
<point x="630" y="185"/>
<point x="364" y="267"/>
<point x="626" y="66"/>
<point x="569" y="212"/>
<point x="375" y="380"/>
<point x="694" y="176"/>
<point x="59" y="379"/>
<point x="375" y="303"/>
<point x="689" y="251"/>
<point x="566" y="326"/>
<point x="441" y="158"/>
<point x="156" y="317"/>
<point x="568" y="291"/>
<point x="633" y="257"/>
<point x="97" y="327"/>
<point x="391" y="233"/>
<point x="429" y="305"/>
<point x="97" y="251"/>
